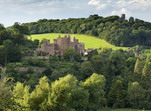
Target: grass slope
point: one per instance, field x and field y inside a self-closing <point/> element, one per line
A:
<point x="90" y="41"/>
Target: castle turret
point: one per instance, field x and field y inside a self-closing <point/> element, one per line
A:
<point x="123" y="16"/>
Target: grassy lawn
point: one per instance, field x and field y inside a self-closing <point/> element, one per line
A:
<point x="90" y="41"/>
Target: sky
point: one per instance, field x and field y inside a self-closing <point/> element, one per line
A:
<point x="23" y="11"/>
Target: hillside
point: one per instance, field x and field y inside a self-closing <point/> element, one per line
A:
<point x="114" y="29"/>
<point x="108" y="79"/>
<point x="89" y="41"/>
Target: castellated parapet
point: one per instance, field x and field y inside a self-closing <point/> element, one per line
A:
<point x="60" y="45"/>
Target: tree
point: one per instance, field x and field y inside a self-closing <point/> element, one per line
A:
<point x="35" y="43"/>
<point x="13" y="52"/>
<point x="18" y="33"/>
<point x="135" y="94"/>
<point x="95" y="86"/>
<point x="61" y="91"/>
<point x="86" y="69"/>
<point x="117" y="63"/>
<point x="92" y="53"/>
<point x="57" y="73"/>
<point x="6" y="96"/>
<point x="69" y="54"/>
<point x="117" y="95"/>
<point x="4" y="35"/>
<point x="95" y="16"/>
<point x="99" y="63"/>
<point x="139" y="65"/>
<point x="146" y="76"/>
<point x="39" y="96"/>
<point x="21" y="96"/>
<point x="3" y="55"/>
<point x="131" y="20"/>
<point x="147" y="101"/>
<point x="20" y="28"/>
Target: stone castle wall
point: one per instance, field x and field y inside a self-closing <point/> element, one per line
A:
<point x="60" y="45"/>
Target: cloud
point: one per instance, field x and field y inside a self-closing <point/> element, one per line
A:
<point x="100" y="5"/>
<point x="129" y="4"/>
<point x="30" y="6"/>
<point x="121" y="11"/>
<point x="25" y="2"/>
<point x="32" y="10"/>
<point x="131" y="7"/>
<point x="94" y="2"/>
<point x="29" y="10"/>
<point x="134" y="4"/>
<point x="118" y="7"/>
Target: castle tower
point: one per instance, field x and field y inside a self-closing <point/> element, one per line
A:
<point x="123" y="16"/>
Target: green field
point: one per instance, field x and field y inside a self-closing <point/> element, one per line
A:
<point x="90" y="41"/>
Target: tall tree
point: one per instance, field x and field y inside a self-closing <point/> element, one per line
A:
<point x="117" y="94"/>
<point x="95" y="86"/>
<point x="139" y="65"/>
<point x="39" y="96"/>
<point x="6" y="96"/>
<point x="60" y="93"/>
<point x="21" y="96"/>
<point x="146" y="76"/>
<point x="86" y="69"/>
<point x="135" y="94"/>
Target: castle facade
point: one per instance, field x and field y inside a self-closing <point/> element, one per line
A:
<point x="60" y="45"/>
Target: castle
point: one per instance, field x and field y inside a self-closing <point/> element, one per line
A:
<point x="60" y="45"/>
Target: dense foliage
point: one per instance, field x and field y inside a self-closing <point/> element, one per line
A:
<point x="113" y="29"/>
<point x="122" y="81"/>
<point x="14" y="44"/>
<point x="65" y="94"/>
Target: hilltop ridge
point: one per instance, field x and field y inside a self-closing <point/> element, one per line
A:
<point x="114" y="29"/>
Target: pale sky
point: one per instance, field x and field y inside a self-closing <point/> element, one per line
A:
<point x="23" y="11"/>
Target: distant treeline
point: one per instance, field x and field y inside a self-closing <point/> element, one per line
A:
<point x="113" y="29"/>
